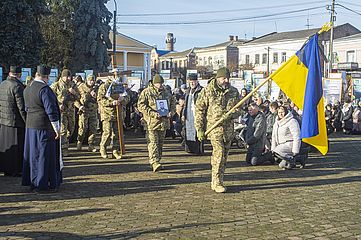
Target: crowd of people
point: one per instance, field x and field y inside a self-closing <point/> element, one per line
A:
<point x="37" y="122"/>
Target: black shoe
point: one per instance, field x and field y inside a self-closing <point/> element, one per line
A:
<point x="49" y="191"/>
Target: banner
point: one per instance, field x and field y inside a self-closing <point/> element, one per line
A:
<point x="247" y="76"/>
<point x="203" y="82"/>
<point x="53" y="76"/>
<point x="87" y="73"/>
<point x="165" y="74"/>
<point x="275" y="91"/>
<point x="24" y="73"/>
<point x="356" y="83"/>
<point x="332" y="89"/>
<point x="82" y="75"/>
<point x="134" y="83"/>
<point x="170" y="83"/>
<point x="237" y="83"/>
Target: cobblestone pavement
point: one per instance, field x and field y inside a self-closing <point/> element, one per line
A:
<point x="123" y="199"/>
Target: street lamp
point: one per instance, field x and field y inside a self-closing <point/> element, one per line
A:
<point x="114" y="34"/>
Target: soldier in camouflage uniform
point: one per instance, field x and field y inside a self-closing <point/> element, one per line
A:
<point x="155" y="125"/>
<point x="108" y="116"/>
<point x="67" y="93"/>
<point x="88" y="107"/>
<point x="213" y="103"/>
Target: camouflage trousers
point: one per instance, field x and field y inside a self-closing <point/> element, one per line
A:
<point x="155" y="140"/>
<point x="67" y="127"/>
<point x="110" y="132"/>
<point x="87" y="122"/>
<point x="219" y="160"/>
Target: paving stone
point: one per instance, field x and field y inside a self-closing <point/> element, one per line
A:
<point x="123" y="199"/>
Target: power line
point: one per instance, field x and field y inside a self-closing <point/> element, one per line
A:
<point x="245" y="21"/>
<point x="349" y="9"/>
<point x="354" y="4"/>
<point x="216" y="11"/>
<point x="220" y="20"/>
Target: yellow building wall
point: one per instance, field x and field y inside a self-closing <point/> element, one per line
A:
<point x="134" y="59"/>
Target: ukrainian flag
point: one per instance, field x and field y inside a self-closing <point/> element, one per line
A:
<point x="300" y="78"/>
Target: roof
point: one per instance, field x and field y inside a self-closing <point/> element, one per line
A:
<point x="162" y="52"/>
<point x="291" y="35"/>
<point x="352" y="37"/>
<point x="184" y="53"/>
<point x="224" y="44"/>
<point x="128" y="41"/>
<point x="275" y="37"/>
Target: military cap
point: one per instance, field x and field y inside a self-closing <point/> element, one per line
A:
<point x="43" y="70"/>
<point x="193" y="76"/>
<point x="65" y="73"/>
<point x="223" y="72"/>
<point x="15" y="69"/>
<point x="158" y="79"/>
<point x="90" y="76"/>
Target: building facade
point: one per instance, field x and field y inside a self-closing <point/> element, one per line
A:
<point x="266" y="54"/>
<point x="134" y="55"/>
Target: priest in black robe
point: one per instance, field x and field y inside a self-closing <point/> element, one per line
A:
<point x="12" y="123"/>
<point x="42" y="157"/>
<point x="192" y="144"/>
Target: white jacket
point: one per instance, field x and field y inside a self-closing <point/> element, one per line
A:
<point x="286" y="136"/>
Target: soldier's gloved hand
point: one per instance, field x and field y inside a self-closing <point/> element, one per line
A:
<point x="116" y="102"/>
<point x="201" y="135"/>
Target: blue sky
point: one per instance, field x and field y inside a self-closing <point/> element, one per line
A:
<point x="200" y="35"/>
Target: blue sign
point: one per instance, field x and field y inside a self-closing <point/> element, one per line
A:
<point x="1" y="74"/>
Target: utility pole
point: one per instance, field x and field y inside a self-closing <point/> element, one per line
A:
<point x="268" y="49"/>
<point x="114" y="35"/>
<point x="332" y="20"/>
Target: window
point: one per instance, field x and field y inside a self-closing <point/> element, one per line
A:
<point x="163" y="65"/>
<point x="210" y="60"/>
<point x="264" y="58"/>
<point x="256" y="59"/>
<point x="185" y="63"/>
<point x="351" y="56"/>
<point x="247" y="59"/>
<point x="284" y="57"/>
<point x="180" y="63"/>
<point x="166" y="65"/>
<point x="275" y="57"/>
<point x="175" y="65"/>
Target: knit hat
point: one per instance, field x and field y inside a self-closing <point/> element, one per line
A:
<point x="65" y="73"/>
<point x="223" y="72"/>
<point x="158" y="79"/>
<point x="90" y="76"/>
<point x="15" y="69"/>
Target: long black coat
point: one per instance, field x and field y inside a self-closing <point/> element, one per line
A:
<point x="12" y="107"/>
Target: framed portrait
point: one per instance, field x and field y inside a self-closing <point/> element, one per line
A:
<point x="162" y="107"/>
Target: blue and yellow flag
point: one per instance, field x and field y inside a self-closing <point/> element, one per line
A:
<point x="300" y="78"/>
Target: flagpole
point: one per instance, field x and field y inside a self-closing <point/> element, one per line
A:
<point x="243" y="100"/>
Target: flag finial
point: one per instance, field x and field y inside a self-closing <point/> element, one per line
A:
<point x="326" y="27"/>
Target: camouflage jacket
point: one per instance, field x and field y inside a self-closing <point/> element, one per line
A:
<point x="64" y="97"/>
<point x="90" y="103"/>
<point x="148" y="107"/>
<point x="212" y="104"/>
<point x="108" y="112"/>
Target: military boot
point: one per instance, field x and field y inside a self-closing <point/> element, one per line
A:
<point x="156" y="166"/>
<point x="116" y="154"/>
<point x="103" y="152"/>
<point x="219" y="188"/>
<point x="78" y="146"/>
<point x="91" y="148"/>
